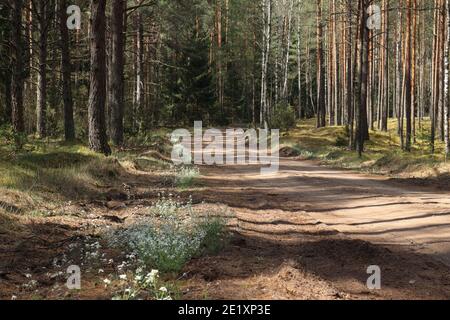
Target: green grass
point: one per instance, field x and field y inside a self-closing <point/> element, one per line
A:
<point x="56" y="171"/>
<point x="382" y="155"/>
<point x="49" y="171"/>
<point x="186" y="177"/>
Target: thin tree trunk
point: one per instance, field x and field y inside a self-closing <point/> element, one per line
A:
<point x="434" y="76"/>
<point x="287" y="52"/>
<point x="6" y="112"/>
<point x="409" y="104"/>
<point x="66" y="70"/>
<point x="299" y="66"/>
<point x="447" y="89"/>
<point x="267" y="14"/>
<point x="17" y="43"/>
<point x="385" y="96"/>
<point x="41" y="107"/>
<point x="321" y="110"/>
<point x="139" y="85"/>
<point x="335" y="67"/>
<point x="350" y="69"/>
<point x="364" y="68"/>
<point x="399" y="71"/>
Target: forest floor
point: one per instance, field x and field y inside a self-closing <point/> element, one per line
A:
<point x="382" y="156"/>
<point x="307" y="232"/>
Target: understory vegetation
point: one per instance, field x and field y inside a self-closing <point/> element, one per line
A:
<point x="161" y="244"/>
<point x="172" y="235"/>
<point x="43" y="183"/>
<point x="382" y="156"/>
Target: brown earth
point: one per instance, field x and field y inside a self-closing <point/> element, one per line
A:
<point x="306" y="232"/>
<point x="310" y="232"/>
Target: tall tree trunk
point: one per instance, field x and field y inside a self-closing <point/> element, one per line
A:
<point x="5" y="115"/>
<point x="116" y="83"/>
<point x="447" y="83"/>
<point x="434" y="76"/>
<point x="139" y="65"/>
<point x="409" y="104"/>
<point x="321" y="110"/>
<point x="350" y="76"/>
<point x="441" y="70"/>
<point x="42" y="9"/>
<point x="385" y="66"/>
<point x="98" y="140"/>
<point x="219" y="55"/>
<point x="299" y="66"/>
<point x="308" y="74"/>
<point x="17" y="43"/>
<point x="335" y="67"/>
<point x="267" y="15"/>
<point x="413" y="69"/>
<point x="66" y="70"/>
<point x="399" y="72"/>
<point x="287" y="52"/>
<point x="364" y="69"/>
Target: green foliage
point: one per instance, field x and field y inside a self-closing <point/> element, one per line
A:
<point x="15" y="139"/>
<point x="190" y="89"/>
<point x="214" y="229"/>
<point x="172" y="236"/>
<point x="303" y="153"/>
<point x="185" y="176"/>
<point x="341" y="141"/>
<point x="283" y="118"/>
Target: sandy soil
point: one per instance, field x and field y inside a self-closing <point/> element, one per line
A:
<point x="306" y="232"/>
<point x="310" y="232"/>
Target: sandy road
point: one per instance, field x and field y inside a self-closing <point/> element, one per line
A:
<point x="309" y="232"/>
<point x="361" y="206"/>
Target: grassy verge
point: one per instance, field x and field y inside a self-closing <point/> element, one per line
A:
<point x="59" y="172"/>
<point x="48" y="185"/>
<point x="383" y="154"/>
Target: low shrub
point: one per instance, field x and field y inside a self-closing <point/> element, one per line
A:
<point x="172" y="235"/>
<point x="283" y="118"/>
<point x="185" y="176"/>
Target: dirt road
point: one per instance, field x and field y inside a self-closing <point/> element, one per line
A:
<point x="312" y="232"/>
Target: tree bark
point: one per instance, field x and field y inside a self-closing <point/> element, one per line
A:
<point x="364" y="66"/>
<point x="350" y="76"/>
<point x="66" y="70"/>
<point x="385" y="116"/>
<point x="321" y="110"/>
<point x="42" y="9"/>
<point x="116" y="83"/>
<point x="447" y="88"/>
<point x="6" y="79"/>
<point x="139" y="71"/>
<point x="97" y="95"/>
<point x="267" y="16"/>
<point x="18" y="66"/>
<point x="408" y="77"/>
